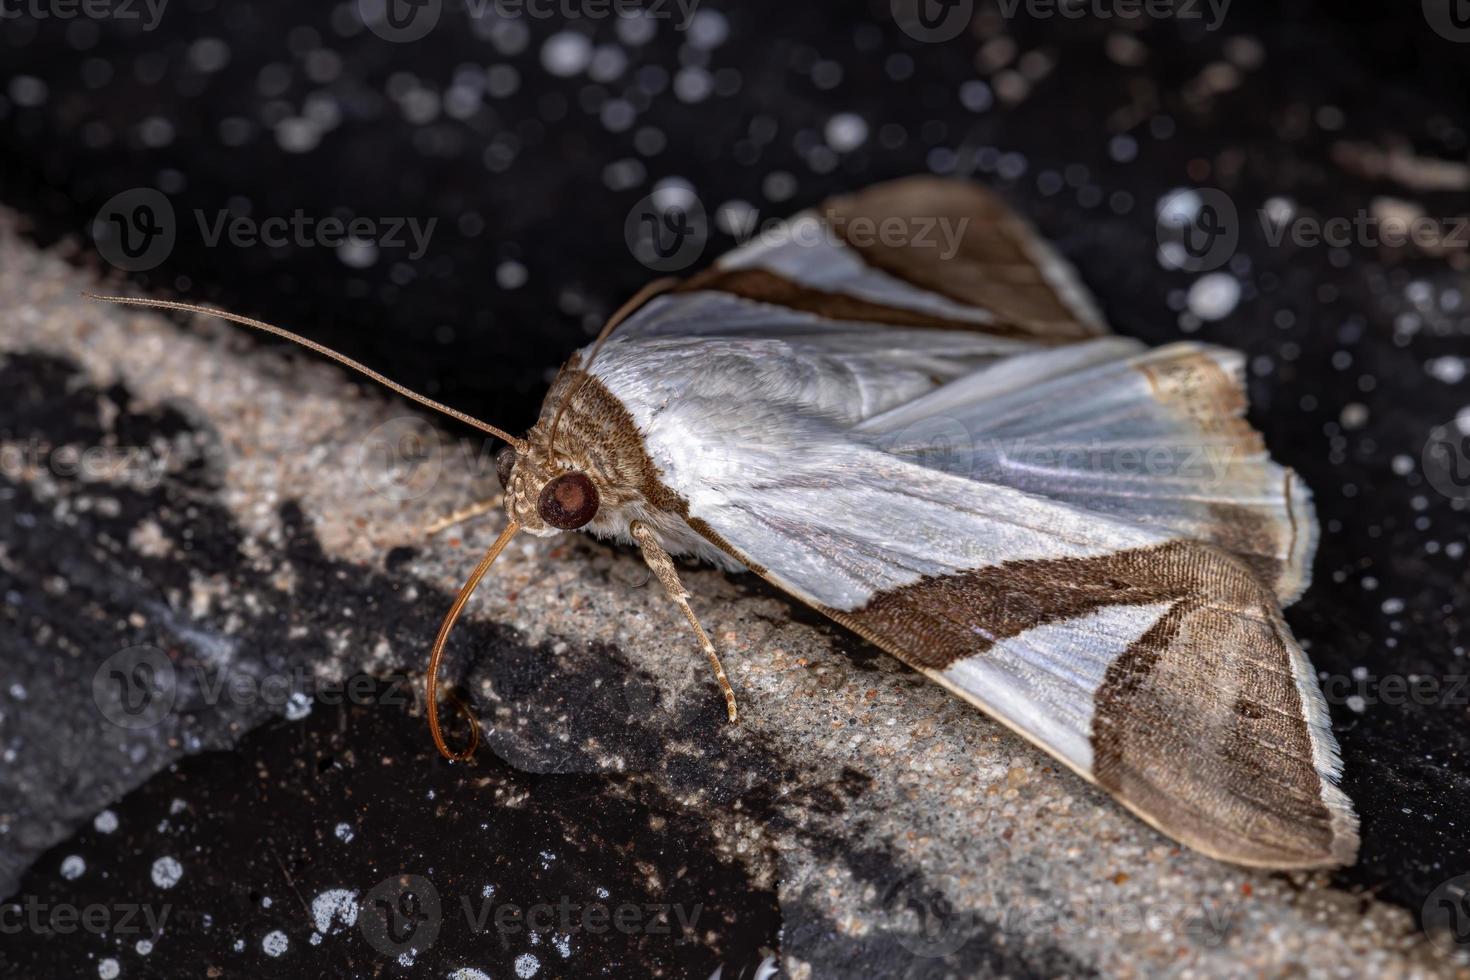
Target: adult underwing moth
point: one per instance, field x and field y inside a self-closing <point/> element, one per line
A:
<point x="1096" y="554"/>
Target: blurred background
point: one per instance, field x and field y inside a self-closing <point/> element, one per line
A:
<point x="460" y="190"/>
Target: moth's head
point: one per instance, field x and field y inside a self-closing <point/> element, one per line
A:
<point x="543" y="497"/>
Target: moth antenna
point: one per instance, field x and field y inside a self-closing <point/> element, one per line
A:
<point x="431" y="684"/>
<point x="656" y="288"/>
<point x="166" y="304"/>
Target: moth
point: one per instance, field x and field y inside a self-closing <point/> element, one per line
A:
<point x="948" y="453"/>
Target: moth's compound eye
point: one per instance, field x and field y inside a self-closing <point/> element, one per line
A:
<point x="568" y="502"/>
<point x="505" y="459"/>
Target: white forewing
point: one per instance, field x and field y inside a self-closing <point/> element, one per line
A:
<point x="1079" y="535"/>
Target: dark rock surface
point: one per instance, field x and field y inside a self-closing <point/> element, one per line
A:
<point x="578" y="875"/>
<point x="242" y="525"/>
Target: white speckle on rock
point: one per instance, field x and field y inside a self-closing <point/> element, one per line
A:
<point x="1214" y="296"/>
<point x="1354" y="415"/>
<point x="1450" y="370"/>
<point x="334" y="905"/>
<point x="298" y="706"/>
<point x="167" y="871"/>
<point x="105" y="822"/>
<point x="674" y="192"/>
<point x="510" y="275"/>
<point x="527" y="965"/>
<point x="708" y="30"/>
<point x="469" y="973"/>
<point x="976" y="96"/>
<point x="73" y="867"/>
<point x="275" y="943"/>
<point x="693" y="84"/>
<point x="1179" y="207"/>
<point x="27" y="91"/>
<point x="846" y="131"/>
<point x="1393" y="606"/>
<point x="297" y="134"/>
<point x="357" y="254"/>
<point x="566" y="53"/>
<point x="108" y="969"/>
<point x="344" y="833"/>
<point x="1356" y="704"/>
<point x="144" y="947"/>
<point x="563" y="945"/>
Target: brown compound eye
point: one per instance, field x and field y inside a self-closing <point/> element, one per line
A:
<point x="568" y="502"/>
<point x="505" y="461"/>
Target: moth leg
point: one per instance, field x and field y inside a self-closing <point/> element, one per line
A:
<point x="663" y="569"/>
<point x="465" y="514"/>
